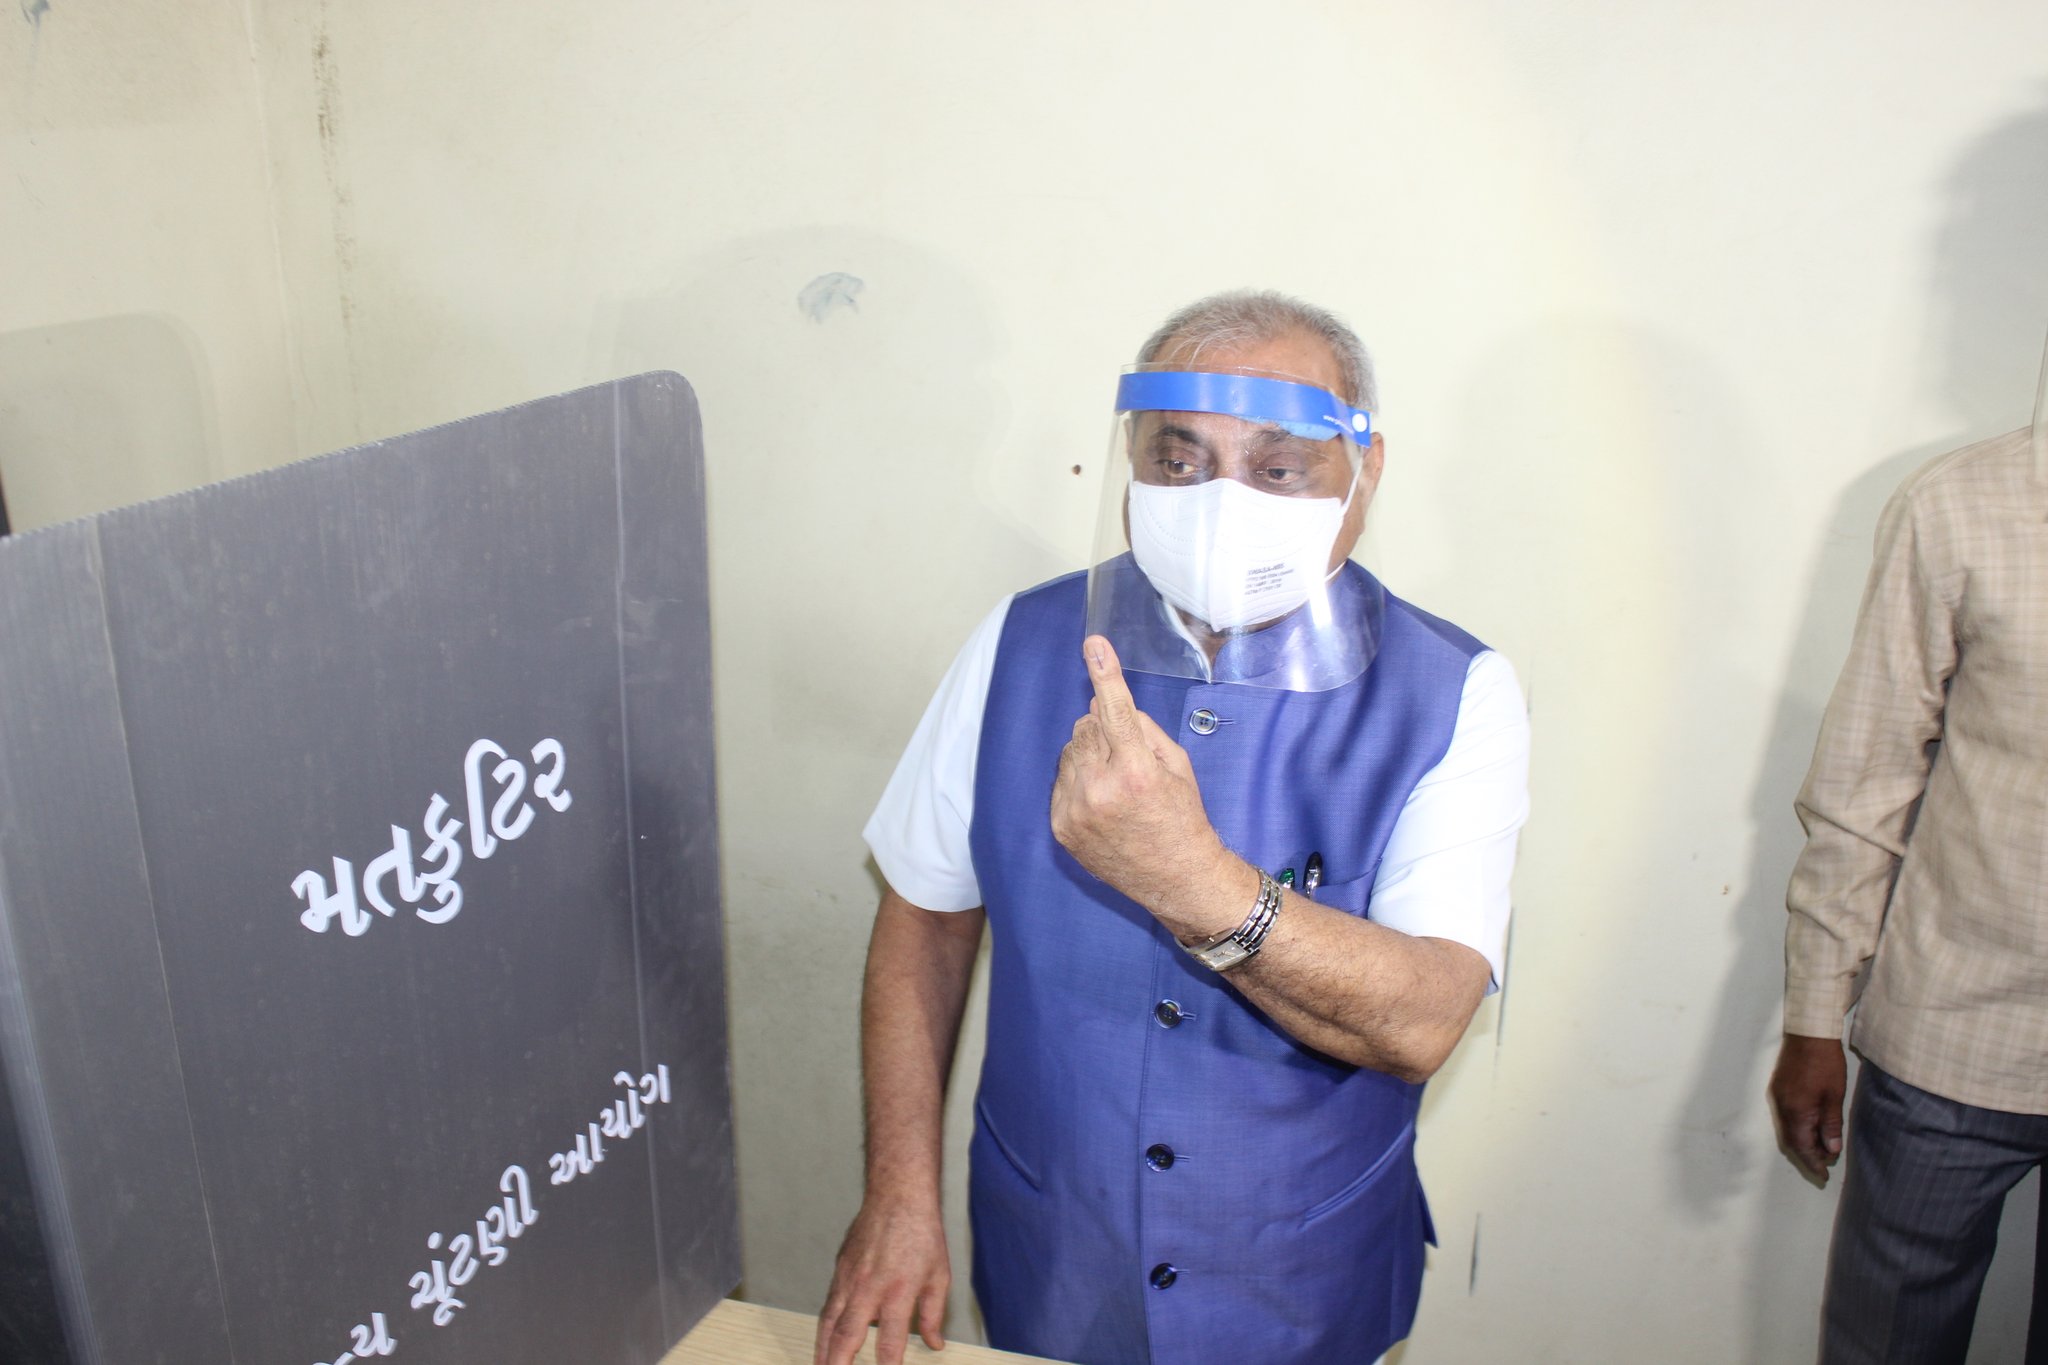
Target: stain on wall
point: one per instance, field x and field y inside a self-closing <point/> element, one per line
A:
<point x="829" y="294"/>
<point x="341" y="200"/>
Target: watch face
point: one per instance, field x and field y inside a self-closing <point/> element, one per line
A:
<point x="1225" y="950"/>
<point x="1224" y="955"/>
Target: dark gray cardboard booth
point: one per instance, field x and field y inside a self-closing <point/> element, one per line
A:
<point x="361" y="966"/>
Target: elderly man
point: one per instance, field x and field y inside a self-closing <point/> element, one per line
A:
<point x="1241" y="824"/>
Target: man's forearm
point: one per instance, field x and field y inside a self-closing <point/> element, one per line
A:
<point x="1870" y="767"/>
<point x="1364" y="993"/>
<point x="1837" y="896"/>
<point x="919" y="965"/>
<point x="1126" y="804"/>
<point x="1349" y="988"/>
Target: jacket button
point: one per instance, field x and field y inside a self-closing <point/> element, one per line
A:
<point x="1163" y="1276"/>
<point x="1203" y="722"/>
<point x="1168" y="1013"/>
<point x="1159" y="1156"/>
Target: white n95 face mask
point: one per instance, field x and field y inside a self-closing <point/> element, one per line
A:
<point x="1196" y="527"/>
<point x="1230" y="555"/>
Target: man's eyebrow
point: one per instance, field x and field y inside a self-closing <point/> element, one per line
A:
<point x="1170" y="431"/>
<point x="1269" y="438"/>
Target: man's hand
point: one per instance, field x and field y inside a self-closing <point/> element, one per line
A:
<point x="1125" y="803"/>
<point x="1806" y="1102"/>
<point x="892" y="1270"/>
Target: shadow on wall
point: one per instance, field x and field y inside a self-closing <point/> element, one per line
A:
<point x="1624" y="497"/>
<point x="1984" y="350"/>
<point x="99" y="414"/>
<point x="852" y="410"/>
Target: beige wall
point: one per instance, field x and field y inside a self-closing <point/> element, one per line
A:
<point x="142" y="337"/>
<point x="1665" y="300"/>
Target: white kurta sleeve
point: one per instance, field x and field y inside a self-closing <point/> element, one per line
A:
<point x="918" y="832"/>
<point x="1447" y="864"/>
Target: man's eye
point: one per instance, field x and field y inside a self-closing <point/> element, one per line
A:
<point x="1283" y="479"/>
<point x="1175" y="469"/>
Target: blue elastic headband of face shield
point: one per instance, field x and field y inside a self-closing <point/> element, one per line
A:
<point x="1298" y="409"/>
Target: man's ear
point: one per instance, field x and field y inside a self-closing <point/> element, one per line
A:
<point x="1373" y="459"/>
<point x="1373" y="462"/>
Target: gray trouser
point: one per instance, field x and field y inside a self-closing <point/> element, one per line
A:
<point x="1926" y="1182"/>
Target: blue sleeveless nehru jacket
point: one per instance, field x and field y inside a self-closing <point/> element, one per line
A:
<point x="1158" y="1172"/>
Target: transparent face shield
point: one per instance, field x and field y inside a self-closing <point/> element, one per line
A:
<point x="1231" y="499"/>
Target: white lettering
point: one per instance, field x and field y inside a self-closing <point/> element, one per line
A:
<point x="464" y="1256"/>
<point x="547" y="786"/>
<point x="522" y="1215"/>
<point x="480" y="841"/>
<point x="632" y="1100"/>
<point x="446" y="848"/>
<point x="323" y="906"/>
<point x="397" y="876"/>
<point x="490" y="1237"/>
<point x="617" y="1119"/>
<point x="513" y="774"/>
<point x="461" y="1259"/>
<point x="397" y="861"/>
<point x="372" y="1338"/>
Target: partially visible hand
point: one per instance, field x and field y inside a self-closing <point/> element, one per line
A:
<point x="1125" y="802"/>
<point x="892" y="1270"/>
<point x="1806" y="1102"/>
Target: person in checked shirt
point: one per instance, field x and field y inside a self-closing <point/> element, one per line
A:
<point x="1924" y="884"/>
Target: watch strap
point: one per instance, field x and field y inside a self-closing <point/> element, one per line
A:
<point x="1223" y="951"/>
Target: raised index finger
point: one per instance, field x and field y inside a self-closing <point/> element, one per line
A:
<point x="1115" y="711"/>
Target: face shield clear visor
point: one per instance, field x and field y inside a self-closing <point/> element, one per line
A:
<point x="1230" y="501"/>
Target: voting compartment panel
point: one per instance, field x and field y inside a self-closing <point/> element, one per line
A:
<point x="664" y="608"/>
<point x="100" y="1129"/>
<point x="419" y="737"/>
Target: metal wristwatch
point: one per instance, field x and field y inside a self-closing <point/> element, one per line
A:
<point x="1223" y="951"/>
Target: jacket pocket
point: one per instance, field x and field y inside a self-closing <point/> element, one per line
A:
<point x="1396" y="1151"/>
<point x="1003" y="1149"/>
<point x="1353" y="897"/>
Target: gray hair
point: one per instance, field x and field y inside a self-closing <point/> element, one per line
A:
<point x="1241" y="315"/>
